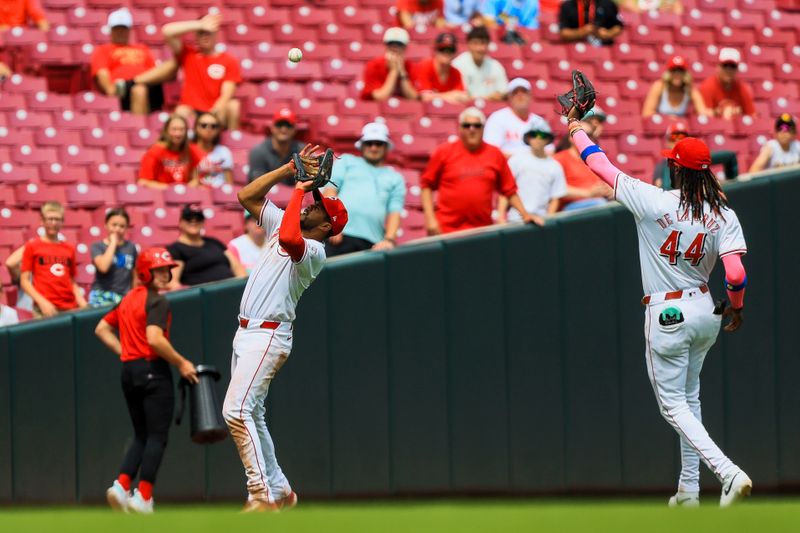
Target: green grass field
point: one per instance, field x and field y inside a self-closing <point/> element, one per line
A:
<point x="757" y="515"/>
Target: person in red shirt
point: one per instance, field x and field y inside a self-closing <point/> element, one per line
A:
<point x="723" y="93"/>
<point x="137" y="330"/>
<point x="413" y="13"/>
<point x="15" y="13"/>
<point x="466" y="173"/>
<point x="437" y="78"/>
<point x="48" y="267"/>
<point x="117" y="64"/>
<point x="173" y="159"/>
<point x="584" y="187"/>
<point x="390" y="74"/>
<point x="209" y="77"/>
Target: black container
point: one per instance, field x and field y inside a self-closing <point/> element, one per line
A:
<point x="207" y="424"/>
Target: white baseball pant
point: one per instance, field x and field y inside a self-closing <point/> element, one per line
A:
<point x="675" y="355"/>
<point x="258" y="354"/>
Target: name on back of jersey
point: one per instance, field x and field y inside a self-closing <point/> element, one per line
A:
<point x="709" y="221"/>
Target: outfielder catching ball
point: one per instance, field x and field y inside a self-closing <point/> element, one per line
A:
<point x="681" y="233"/>
<point x="294" y="256"/>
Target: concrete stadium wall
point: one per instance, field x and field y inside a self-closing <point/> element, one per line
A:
<point x="509" y="360"/>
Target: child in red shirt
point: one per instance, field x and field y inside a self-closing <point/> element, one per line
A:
<point x="173" y="159"/>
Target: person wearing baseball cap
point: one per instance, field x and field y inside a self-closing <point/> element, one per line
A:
<point x="783" y="150"/>
<point x="436" y="78"/>
<point x="277" y="149"/>
<point x="506" y="126"/>
<point x="420" y="13"/>
<point x="674" y="94"/>
<point x="375" y="192"/>
<point x="724" y="93"/>
<point x="137" y="330"/>
<point x="680" y="130"/>
<point x="390" y="74"/>
<point x="128" y="70"/>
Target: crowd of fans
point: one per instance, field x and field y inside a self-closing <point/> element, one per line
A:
<point x="509" y="166"/>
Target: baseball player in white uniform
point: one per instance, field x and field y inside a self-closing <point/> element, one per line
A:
<point x="293" y="257"/>
<point x="681" y="233"/>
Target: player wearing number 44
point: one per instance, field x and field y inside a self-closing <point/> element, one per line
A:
<point x="681" y="233"/>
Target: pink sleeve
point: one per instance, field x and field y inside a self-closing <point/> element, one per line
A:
<point x="596" y="161"/>
<point x="734" y="276"/>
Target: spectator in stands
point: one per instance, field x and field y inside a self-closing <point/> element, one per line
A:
<point x="584" y="187"/>
<point x="460" y="12"/>
<point x="467" y="172"/>
<point x="644" y="6"/>
<point x="596" y="121"/>
<point x="116" y="64"/>
<point x="216" y="167"/>
<point x="724" y="94"/>
<point x="512" y="14"/>
<point x="674" y="94"/>
<point x="14" y="266"/>
<point x="8" y="315"/>
<point x="200" y="259"/>
<point x="413" y="13"/>
<point x="246" y="248"/>
<point x="114" y="259"/>
<point x="375" y="193"/>
<point x="209" y="77"/>
<point x="277" y="149"/>
<point x="390" y="74"/>
<point x="173" y="159"/>
<point x="5" y="72"/>
<point x="540" y="178"/>
<point x="48" y="267"/>
<point x="507" y="126"/>
<point x="483" y="76"/>
<point x="17" y="13"/>
<point x="677" y="131"/>
<point x="436" y="78"/>
<point x="783" y="150"/>
<point x="594" y="21"/>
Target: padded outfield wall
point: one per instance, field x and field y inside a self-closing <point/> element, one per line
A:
<point x="503" y="361"/>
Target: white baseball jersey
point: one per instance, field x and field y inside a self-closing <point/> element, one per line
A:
<point x="505" y="129"/>
<point x="276" y="282"/>
<point x="674" y="251"/>
<point x="246" y="251"/>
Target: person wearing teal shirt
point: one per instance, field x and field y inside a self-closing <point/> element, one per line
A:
<point x="373" y="193"/>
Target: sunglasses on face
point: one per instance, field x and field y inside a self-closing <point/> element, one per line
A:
<point x="540" y="135"/>
<point x="471" y="125"/>
<point x="677" y="70"/>
<point x="374" y="143"/>
<point x="446" y="50"/>
<point x="284" y="124"/>
<point x="208" y="125"/>
<point x="194" y="219"/>
<point x="730" y="66"/>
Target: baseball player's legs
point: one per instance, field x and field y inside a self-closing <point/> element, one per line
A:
<point x="278" y="484"/>
<point x="668" y="361"/>
<point x="159" y="405"/>
<point x="134" y="399"/>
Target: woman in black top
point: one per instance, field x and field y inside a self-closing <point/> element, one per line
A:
<point x="200" y="259"/>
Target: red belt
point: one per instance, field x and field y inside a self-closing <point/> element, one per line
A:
<point x="243" y="322"/>
<point x="675" y="295"/>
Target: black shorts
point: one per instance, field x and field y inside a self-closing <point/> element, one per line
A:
<point x="155" y="95"/>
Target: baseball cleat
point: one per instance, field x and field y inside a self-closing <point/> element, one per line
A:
<point x="259" y="506"/>
<point x="734" y="488"/>
<point x="685" y="499"/>
<point x="288" y="501"/>
<point x="137" y="504"/>
<point x="117" y="497"/>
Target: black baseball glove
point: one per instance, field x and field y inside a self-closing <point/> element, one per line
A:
<point x="316" y="169"/>
<point x="581" y="97"/>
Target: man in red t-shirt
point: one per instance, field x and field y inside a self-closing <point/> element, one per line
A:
<point x="390" y="74"/>
<point x="466" y="173"/>
<point x="413" y="13"/>
<point x="16" y="13"/>
<point x="117" y="64"/>
<point x="209" y="77"/>
<point x="48" y="267"/>
<point x="726" y="95"/>
<point x="437" y="78"/>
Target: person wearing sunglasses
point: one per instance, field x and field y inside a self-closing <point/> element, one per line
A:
<point x="277" y="149"/>
<point x="677" y="131"/>
<point x="376" y="194"/>
<point x="783" y="150"/>
<point x="674" y="93"/>
<point x="540" y="178"/>
<point x="724" y="93"/>
<point x="216" y="168"/>
<point x="467" y="173"/>
<point x="436" y="78"/>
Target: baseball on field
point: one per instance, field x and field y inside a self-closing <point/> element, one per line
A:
<point x="295" y="55"/>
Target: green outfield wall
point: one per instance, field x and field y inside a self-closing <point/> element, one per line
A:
<point x="508" y="360"/>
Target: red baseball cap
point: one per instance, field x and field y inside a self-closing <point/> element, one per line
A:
<point x="336" y="210"/>
<point x="284" y="115"/>
<point x="676" y="62"/>
<point x="690" y="152"/>
<point x="678" y="127"/>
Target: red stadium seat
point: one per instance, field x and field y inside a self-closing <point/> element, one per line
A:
<point x="18" y="84"/>
<point x="89" y="196"/>
<point x="33" y="195"/>
<point x="123" y="155"/>
<point x="100" y="138"/>
<point x="33" y="155"/>
<point x="56" y="173"/>
<point x="22" y="118"/>
<point x="11" y="218"/>
<point x="366" y="109"/>
<point x="90" y="101"/>
<point x="181" y="195"/>
<point x="132" y="194"/>
<point x="321" y="90"/>
<point x="78" y="155"/>
<point x="104" y="173"/>
<point x="225" y="197"/>
<point x="70" y="120"/>
<point x="11" y="173"/>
